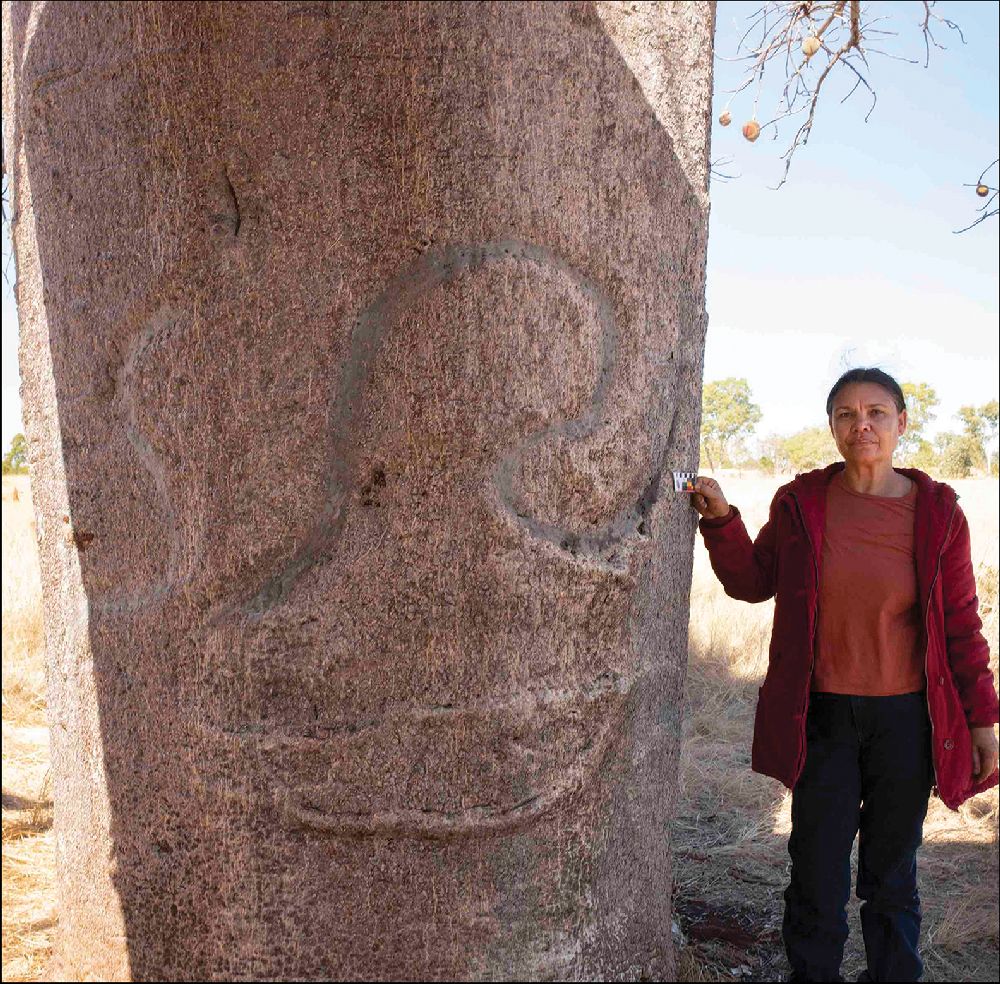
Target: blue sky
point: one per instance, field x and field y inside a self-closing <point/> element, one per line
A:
<point x="854" y="260"/>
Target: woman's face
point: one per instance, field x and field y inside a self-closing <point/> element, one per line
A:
<point x="865" y="423"/>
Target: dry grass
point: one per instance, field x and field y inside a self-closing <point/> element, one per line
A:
<point x="23" y="636"/>
<point x="28" y="859"/>
<point x="730" y="831"/>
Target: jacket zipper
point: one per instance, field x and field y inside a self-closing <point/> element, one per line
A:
<point x="812" y="654"/>
<point x="927" y="649"/>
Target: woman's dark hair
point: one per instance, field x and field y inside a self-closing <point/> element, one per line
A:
<point x="867" y="376"/>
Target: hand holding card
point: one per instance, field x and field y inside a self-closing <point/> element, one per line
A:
<point x="707" y="498"/>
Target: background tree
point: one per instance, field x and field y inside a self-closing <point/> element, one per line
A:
<point x="15" y="461"/>
<point x="812" y="447"/>
<point x="921" y="399"/>
<point x="728" y="413"/>
<point x="989" y="412"/>
<point x="773" y="458"/>
<point x="972" y="420"/>
<point x="958" y="454"/>
<point x="978" y="423"/>
<point x="924" y="457"/>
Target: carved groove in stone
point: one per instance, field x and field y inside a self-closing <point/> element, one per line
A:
<point x="435" y="267"/>
<point x="154" y="330"/>
<point x="296" y="808"/>
<point x="598" y="548"/>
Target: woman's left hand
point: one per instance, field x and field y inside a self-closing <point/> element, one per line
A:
<point x="984" y="753"/>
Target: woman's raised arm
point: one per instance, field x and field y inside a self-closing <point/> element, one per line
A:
<point x="747" y="570"/>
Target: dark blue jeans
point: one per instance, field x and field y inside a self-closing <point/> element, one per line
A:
<point x="868" y="771"/>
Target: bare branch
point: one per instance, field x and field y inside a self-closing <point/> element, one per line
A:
<point x="861" y="80"/>
<point x="926" y="28"/>
<point x="982" y="218"/>
<point x="802" y="134"/>
<point x="889" y="54"/>
<point x="989" y="207"/>
<point x="714" y="171"/>
<point x="987" y="168"/>
<point x="835" y="30"/>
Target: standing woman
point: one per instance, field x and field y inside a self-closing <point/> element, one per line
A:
<point x="878" y="685"/>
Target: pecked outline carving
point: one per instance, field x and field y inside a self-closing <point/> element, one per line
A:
<point x="151" y="325"/>
<point x="437" y="266"/>
<point x="597" y="548"/>
<point x="296" y="811"/>
<point x="161" y="323"/>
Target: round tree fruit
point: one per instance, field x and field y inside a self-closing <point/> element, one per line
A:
<point x="751" y="130"/>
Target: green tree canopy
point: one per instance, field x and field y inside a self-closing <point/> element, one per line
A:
<point x="727" y="414"/>
<point x="972" y="422"/>
<point x="772" y="454"/>
<point x="924" y="457"/>
<point x="989" y="412"/>
<point x="920" y="402"/>
<point x="979" y="425"/>
<point x="812" y="447"/>
<point x="959" y="454"/>
<point x="15" y="461"/>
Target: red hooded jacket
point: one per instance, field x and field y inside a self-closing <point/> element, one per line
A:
<point x="784" y="563"/>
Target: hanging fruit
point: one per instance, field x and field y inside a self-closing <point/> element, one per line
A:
<point x="751" y="130"/>
<point x="982" y="191"/>
<point x="725" y="119"/>
<point x="810" y="46"/>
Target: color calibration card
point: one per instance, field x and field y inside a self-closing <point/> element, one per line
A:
<point x="684" y="481"/>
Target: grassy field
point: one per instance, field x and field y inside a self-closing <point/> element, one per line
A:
<point x="731" y="829"/>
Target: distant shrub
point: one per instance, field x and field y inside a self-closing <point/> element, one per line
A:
<point x="924" y="457"/>
<point x="15" y="461"/>
<point x="959" y="455"/>
<point x="812" y="447"/>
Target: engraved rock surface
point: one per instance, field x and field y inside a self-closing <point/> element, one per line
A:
<point x="356" y="339"/>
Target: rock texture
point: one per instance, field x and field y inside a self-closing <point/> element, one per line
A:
<point x="358" y="342"/>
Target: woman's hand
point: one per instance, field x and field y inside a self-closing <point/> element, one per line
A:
<point x="984" y="753"/>
<point x="708" y="500"/>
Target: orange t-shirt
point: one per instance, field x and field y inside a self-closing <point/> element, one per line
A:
<point x="869" y="640"/>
